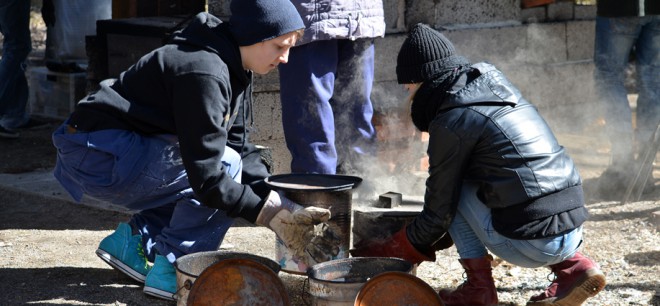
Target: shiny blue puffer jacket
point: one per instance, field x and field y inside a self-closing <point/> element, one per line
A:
<point x="341" y="19"/>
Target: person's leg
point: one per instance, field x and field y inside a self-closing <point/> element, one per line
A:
<point x="171" y="222"/>
<point x="614" y="41"/>
<point x="93" y="164"/>
<point x="86" y="164"/>
<point x="307" y="84"/>
<point x="577" y="277"/>
<point x="355" y="134"/>
<point x="524" y="253"/>
<point x="192" y="227"/>
<point x="647" y="50"/>
<point x="465" y="239"/>
<point x="17" y="44"/>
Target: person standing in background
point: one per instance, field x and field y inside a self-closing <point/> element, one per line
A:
<point x="622" y="27"/>
<point x="17" y="44"/>
<point x="325" y="87"/>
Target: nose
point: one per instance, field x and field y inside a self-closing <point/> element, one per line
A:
<point x="284" y="58"/>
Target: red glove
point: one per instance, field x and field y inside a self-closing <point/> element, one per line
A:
<point x="397" y="245"/>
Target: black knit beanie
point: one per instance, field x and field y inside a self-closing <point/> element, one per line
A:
<point x="254" y="21"/>
<point x="425" y="54"/>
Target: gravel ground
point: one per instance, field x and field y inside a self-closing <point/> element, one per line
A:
<point x="47" y="257"/>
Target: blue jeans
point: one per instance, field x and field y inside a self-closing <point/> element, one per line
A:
<point x="473" y="234"/>
<point x="15" y="27"/>
<point x="325" y="90"/>
<point x="615" y="38"/>
<point x="143" y="174"/>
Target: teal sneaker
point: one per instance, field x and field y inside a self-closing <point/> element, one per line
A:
<point x="123" y="251"/>
<point x="161" y="280"/>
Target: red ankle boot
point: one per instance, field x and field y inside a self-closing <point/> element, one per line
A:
<point x="478" y="289"/>
<point x="576" y="279"/>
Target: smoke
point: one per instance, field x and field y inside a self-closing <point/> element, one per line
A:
<point x="375" y="141"/>
<point x="397" y="164"/>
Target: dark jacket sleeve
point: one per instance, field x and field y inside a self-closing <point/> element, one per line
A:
<point x="201" y="106"/>
<point x="254" y="168"/>
<point x="448" y="156"/>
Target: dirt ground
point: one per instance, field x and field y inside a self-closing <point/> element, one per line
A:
<point x="47" y="249"/>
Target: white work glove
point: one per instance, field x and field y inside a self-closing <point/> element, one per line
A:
<point x="292" y="223"/>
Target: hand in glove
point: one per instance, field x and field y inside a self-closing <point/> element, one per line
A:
<point x="397" y="245"/>
<point x="292" y="223"/>
<point x="325" y="244"/>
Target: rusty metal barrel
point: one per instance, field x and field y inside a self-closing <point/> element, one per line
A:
<point x="190" y="267"/>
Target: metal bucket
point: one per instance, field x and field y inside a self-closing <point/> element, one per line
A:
<point x="189" y="267"/>
<point x="333" y="192"/>
<point x="337" y="282"/>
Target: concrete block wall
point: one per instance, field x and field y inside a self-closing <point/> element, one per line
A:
<point x="546" y="51"/>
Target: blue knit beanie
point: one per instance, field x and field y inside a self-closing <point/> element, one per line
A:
<point x="254" y="21"/>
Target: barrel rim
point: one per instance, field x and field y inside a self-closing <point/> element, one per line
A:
<point x="277" y="181"/>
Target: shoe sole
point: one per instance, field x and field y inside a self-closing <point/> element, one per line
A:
<point x="161" y="294"/>
<point x="117" y="264"/>
<point x="591" y="284"/>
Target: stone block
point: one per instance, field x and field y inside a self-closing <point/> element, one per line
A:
<point x="267" y="82"/>
<point x="386" y="51"/>
<point x="560" y="11"/>
<point x="584" y="12"/>
<point x="395" y="16"/>
<point x="494" y="45"/>
<point x="533" y="14"/>
<point x="580" y="40"/>
<point x="267" y="117"/>
<point x="563" y="93"/>
<point x="281" y="156"/>
<point x="267" y="130"/>
<point x="439" y="13"/>
<point x="417" y="11"/>
<point x="533" y="43"/>
<point x="544" y="43"/>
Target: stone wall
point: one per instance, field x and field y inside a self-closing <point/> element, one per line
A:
<point x="546" y="51"/>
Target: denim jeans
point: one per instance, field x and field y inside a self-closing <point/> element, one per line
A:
<point x="615" y="38"/>
<point x="15" y="27"/>
<point x="325" y="90"/>
<point x="473" y="234"/>
<point x="143" y="174"/>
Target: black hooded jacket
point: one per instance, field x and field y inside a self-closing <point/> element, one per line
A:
<point x="196" y="88"/>
<point x="486" y="134"/>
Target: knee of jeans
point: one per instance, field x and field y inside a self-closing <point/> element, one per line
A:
<point x="232" y="161"/>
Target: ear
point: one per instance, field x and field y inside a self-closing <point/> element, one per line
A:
<point x="243" y="50"/>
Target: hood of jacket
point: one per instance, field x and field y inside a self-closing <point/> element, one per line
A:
<point x="484" y="84"/>
<point x="209" y="33"/>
